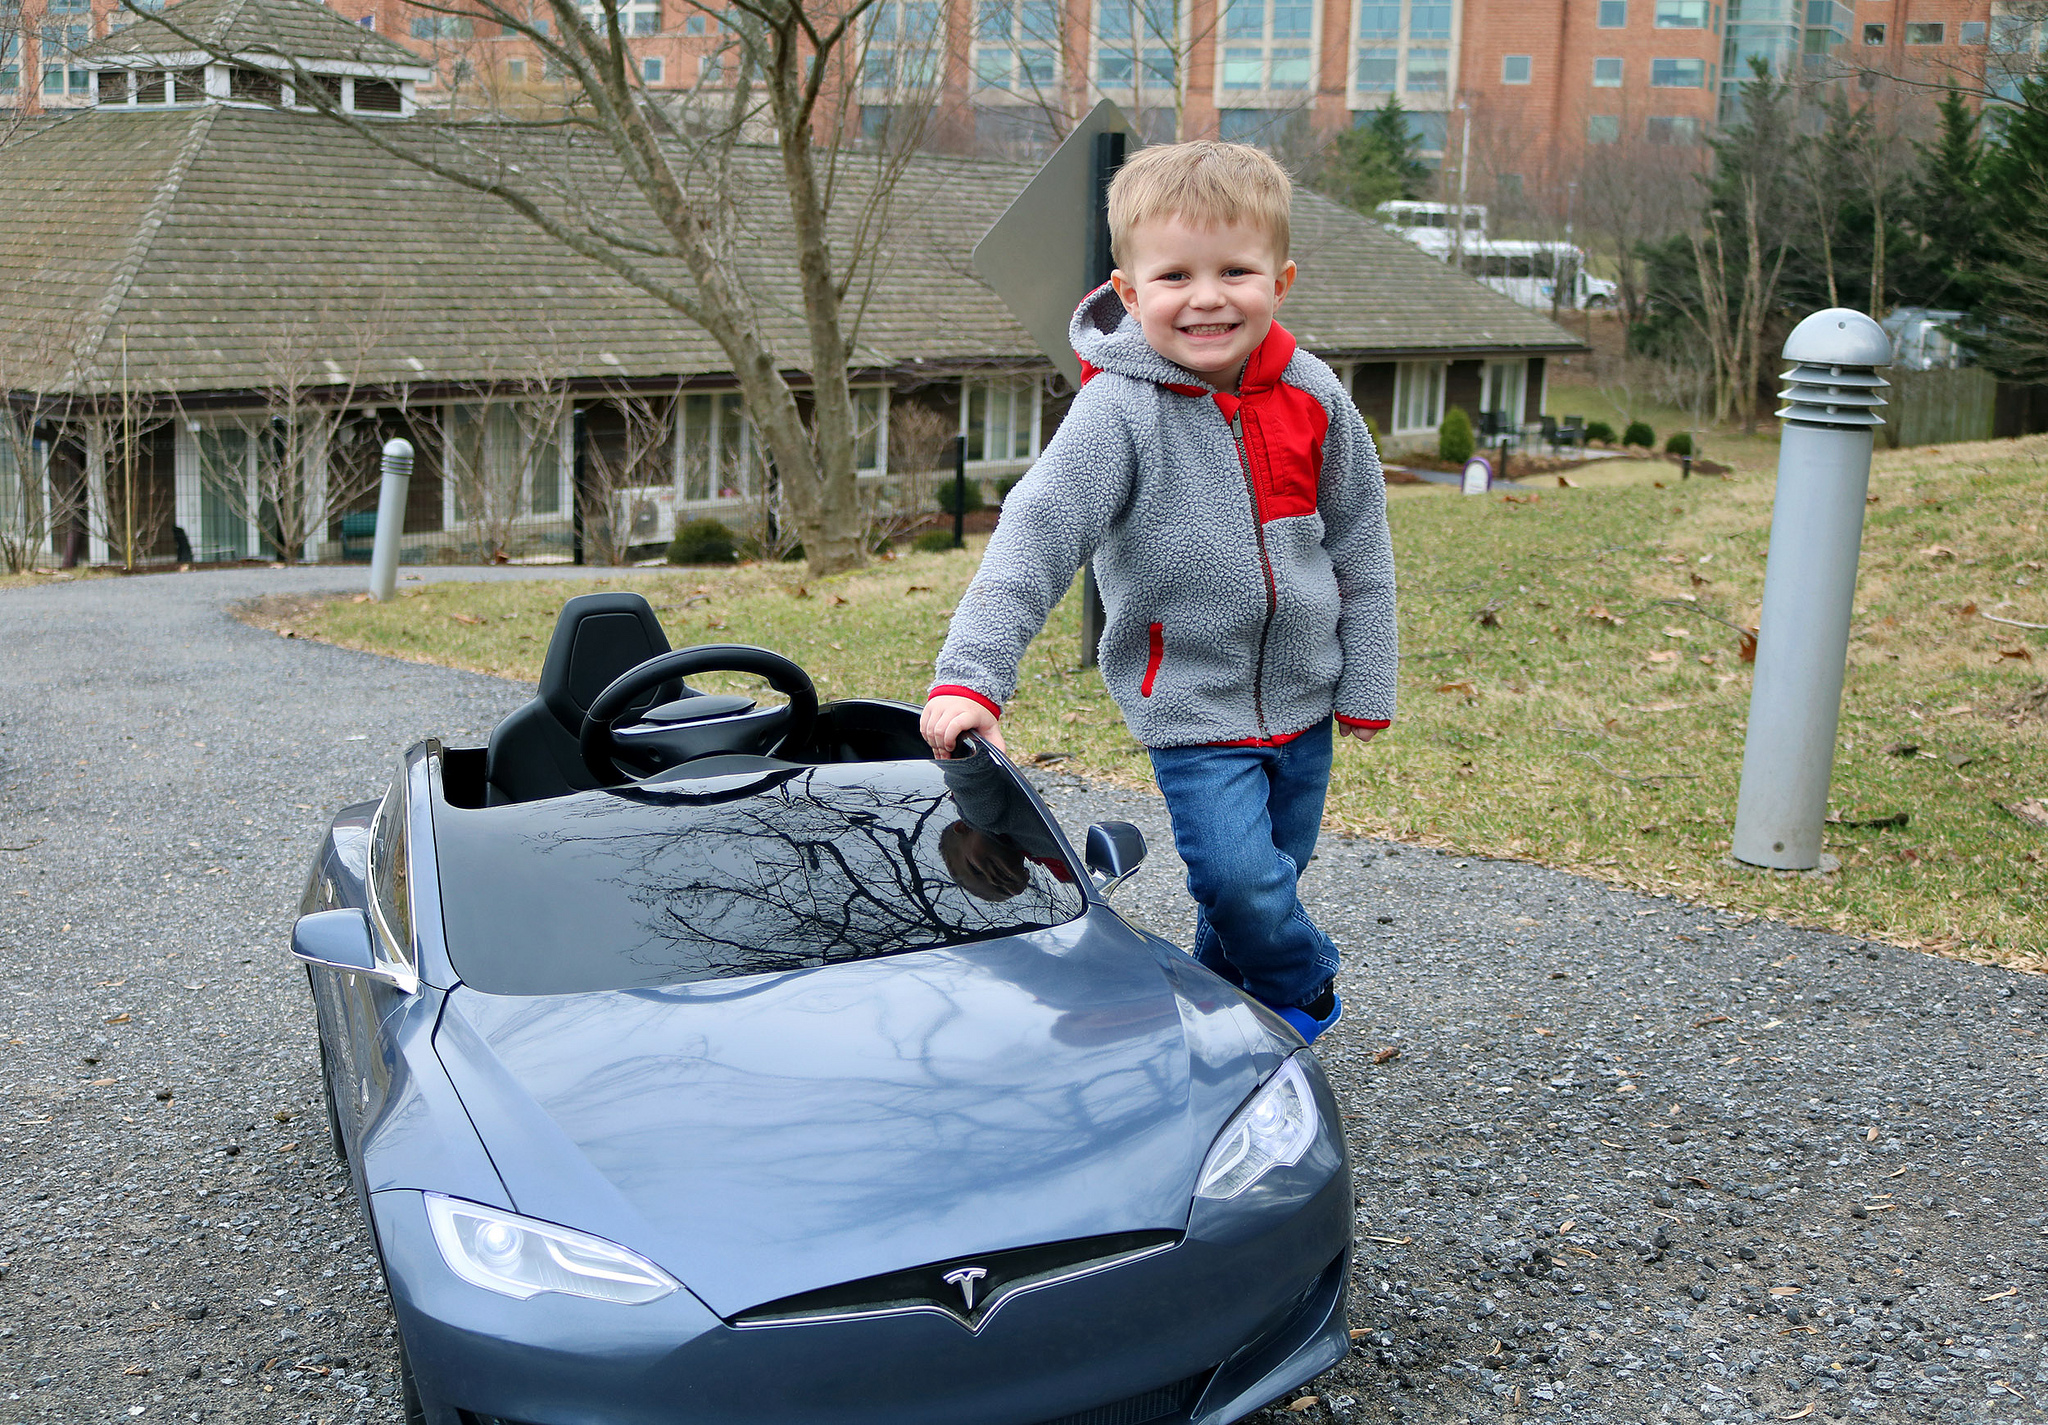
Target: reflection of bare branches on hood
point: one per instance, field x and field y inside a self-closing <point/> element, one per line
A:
<point x="806" y="873"/>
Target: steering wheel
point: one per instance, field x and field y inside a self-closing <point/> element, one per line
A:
<point x="784" y="727"/>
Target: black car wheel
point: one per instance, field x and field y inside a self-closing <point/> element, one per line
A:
<point x="333" y="1115"/>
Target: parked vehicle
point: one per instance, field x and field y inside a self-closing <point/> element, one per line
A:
<point x="1530" y="272"/>
<point x="696" y="1060"/>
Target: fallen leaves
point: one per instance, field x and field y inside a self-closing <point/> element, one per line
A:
<point x="2000" y="1295"/>
<point x="121" y="1019"/>
<point x="1463" y="687"/>
<point x="1297" y="1406"/>
<point x="1565" y="482"/>
<point x="468" y="619"/>
<point x="2022" y="654"/>
<point x="918" y="589"/>
<point x="1598" y="613"/>
<point x="1386" y="1055"/>
<point x="1665" y="655"/>
<point x="1937" y="551"/>
<point x="1389" y="1241"/>
<point x="1801" y="1414"/>
<point x="2032" y="811"/>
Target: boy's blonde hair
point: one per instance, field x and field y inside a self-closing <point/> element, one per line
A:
<point x="1205" y="184"/>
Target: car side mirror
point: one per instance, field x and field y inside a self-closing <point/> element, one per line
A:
<point x="1115" y="849"/>
<point x="337" y="940"/>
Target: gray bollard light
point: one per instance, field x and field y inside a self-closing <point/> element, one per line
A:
<point x="397" y="483"/>
<point x="1829" y="420"/>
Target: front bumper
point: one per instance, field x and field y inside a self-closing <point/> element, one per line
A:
<point x="1199" y="1335"/>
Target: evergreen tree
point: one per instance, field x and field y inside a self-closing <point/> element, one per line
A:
<point x="1950" y="215"/>
<point x="1378" y="161"/>
<point x="2014" y="305"/>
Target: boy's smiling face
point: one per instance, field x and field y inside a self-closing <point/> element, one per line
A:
<point x="1205" y="296"/>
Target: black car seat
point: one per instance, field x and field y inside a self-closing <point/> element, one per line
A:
<point x="535" y="752"/>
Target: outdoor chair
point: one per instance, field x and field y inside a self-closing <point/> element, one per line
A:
<point x="1573" y="433"/>
<point x="1548" y="425"/>
<point x="358" y="534"/>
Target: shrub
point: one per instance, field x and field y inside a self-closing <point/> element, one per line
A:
<point x="933" y="541"/>
<point x="1639" y="433"/>
<point x="1600" y="431"/>
<point x="1679" y="444"/>
<point x="974" y="498"/>
<point x="1003" y="488"/>
<point x="705" y="541"/>
<point x="1454" y="437"/>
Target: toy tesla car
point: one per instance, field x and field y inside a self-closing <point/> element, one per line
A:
<point x="702" y="1061"/>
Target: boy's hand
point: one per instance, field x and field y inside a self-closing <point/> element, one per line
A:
<point x="1363" y="734"/>
<point x="946" y="717"/>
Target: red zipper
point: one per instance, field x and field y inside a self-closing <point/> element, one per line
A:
<point x="1265" y="565"/>
<point x="1158" y="632"/>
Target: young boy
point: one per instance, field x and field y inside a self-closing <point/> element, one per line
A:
<point x="1232" y="503"/>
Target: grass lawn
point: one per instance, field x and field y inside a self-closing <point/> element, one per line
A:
<point x="1572" y="691"/>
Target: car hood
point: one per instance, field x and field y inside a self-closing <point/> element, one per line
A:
<point x="771" y="1135"/>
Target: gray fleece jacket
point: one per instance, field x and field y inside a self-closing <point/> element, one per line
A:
<point x="1240" y="543"/>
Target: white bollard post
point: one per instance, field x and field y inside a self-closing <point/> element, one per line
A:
<point x="397" y="482"/>
<point x="1802" y="647"/>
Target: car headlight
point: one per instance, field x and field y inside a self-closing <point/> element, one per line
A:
<point x="1272" y="1131"/>
<point x="504" y="1252"/>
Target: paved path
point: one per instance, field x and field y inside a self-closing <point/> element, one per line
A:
<point x="1633" y="1161"/>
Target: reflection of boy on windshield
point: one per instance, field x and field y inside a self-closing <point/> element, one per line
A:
<point x="1000" y="834"/>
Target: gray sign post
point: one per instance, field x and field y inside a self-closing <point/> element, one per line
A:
<point x="397" y="484"/>
<point x="1049" y="249"/>
<point x="1829" y="419"/>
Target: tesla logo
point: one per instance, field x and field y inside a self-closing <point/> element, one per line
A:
<point x="966" y="1278"/>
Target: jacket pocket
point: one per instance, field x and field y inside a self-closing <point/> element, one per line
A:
<point x="1158" y="635"/>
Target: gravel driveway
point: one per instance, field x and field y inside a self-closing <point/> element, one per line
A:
<point x="1619" y="1159"/>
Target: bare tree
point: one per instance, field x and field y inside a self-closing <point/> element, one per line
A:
<point x="920" y="440"/>
<point x="628" y="443"/>
<point x="36" y="355"/>
<point x="1632" y="194"/>
<point x="660" y="197"/>
<point x="274" y="469"/>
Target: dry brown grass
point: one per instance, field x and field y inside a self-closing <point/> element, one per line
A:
<point x="1588" y="724"/>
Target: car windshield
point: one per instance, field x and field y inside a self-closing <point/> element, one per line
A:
<point x="763" y="871"/>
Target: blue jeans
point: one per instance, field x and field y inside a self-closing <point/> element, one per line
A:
<point x="1245" y="822"/>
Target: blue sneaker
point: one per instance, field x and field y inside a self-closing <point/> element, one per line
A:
<point x="1304" y="1020"/>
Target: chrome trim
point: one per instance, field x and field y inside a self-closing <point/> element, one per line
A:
<point x="973" y="1328"/>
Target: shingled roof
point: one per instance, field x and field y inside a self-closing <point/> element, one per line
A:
<point x="300" y="29"/>
<point x="195" y="250"/>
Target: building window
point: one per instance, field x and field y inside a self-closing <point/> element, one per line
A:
<point x="1000" y="420"/>
<point x="368" y="22"/>
<point x="1607" y="73"/>
<point x="1428" y="68"/>
<point x="1508" y="186"/>
<point x="1378" y="68"/>
<point x="1678" y="74"/>
<point x="515" y="71"/>
<point x="1015" y="44"/>
<point x="695" y="25"/>
<point x="1681" y="14"/>
<point x="711" y="70"/>
<point x="502" y="461"/>
<point x="1135" y="42"/>
<point x="651" y="69"/>
<point x="1514" y="69"/>
<point x="1268" y="45"/>
<point x="1603" y="128"/>
<point x="1418" y="396"/>
<point x="10" y="76"/>
<point x="906" y="45"/>
<point x="1613" y="14"/>
<point x="1873" y="34"/>
<point x="720" y="460"/>
<point x="1502" y="386"/>
<point x="871" y="430"/>
<point x="1673" y="129"/>
<point x="1924" y="34"/>
<point x="59" y="44"/>
<point x="443" y="27"/>
<point x="1970" y="32"/>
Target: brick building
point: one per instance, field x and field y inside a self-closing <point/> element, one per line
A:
<point x="1503" y="93"/>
